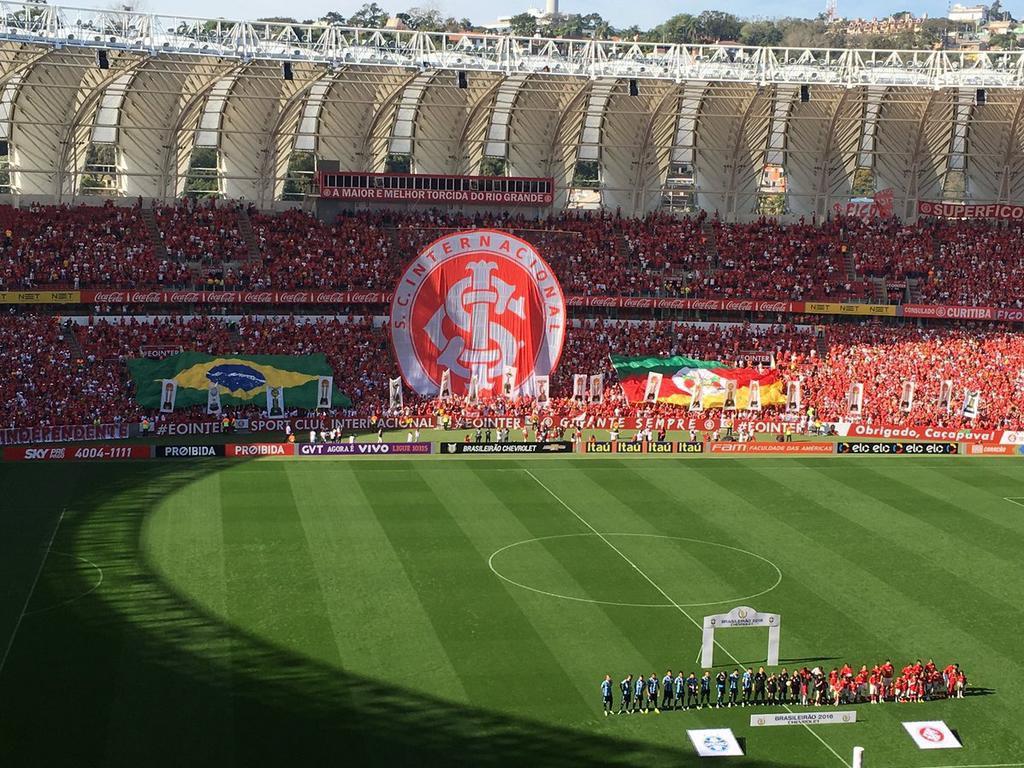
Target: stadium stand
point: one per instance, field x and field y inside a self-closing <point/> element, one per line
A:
<point x="950" y="262"/>
<point x="60" y="246"/>
<point x="76" y="374"/>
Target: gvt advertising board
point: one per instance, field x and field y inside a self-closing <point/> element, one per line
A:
<point x="363" y="449"/>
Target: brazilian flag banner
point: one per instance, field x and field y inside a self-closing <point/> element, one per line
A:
<point x="240" y="379"/>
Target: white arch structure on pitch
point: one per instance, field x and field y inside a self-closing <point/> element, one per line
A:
<point x="539" y="105"/>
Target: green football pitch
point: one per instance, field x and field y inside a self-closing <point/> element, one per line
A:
<point x="464" y="611"/>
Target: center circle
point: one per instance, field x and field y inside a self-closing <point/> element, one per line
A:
<point x="586" y="568"/>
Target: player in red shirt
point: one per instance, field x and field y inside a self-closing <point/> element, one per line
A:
<point x="874" y="682"/>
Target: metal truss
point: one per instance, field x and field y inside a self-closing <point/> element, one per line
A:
<point x="338" y="46"/>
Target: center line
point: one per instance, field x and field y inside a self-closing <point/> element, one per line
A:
<point x="668" y="597"/>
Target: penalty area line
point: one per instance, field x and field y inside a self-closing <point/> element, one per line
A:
<point x="668" y="597"/>
<point x="1019" y="501"/>
<point x="31" y="591"/>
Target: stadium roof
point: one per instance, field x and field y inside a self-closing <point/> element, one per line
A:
<point x="656" y="119"/>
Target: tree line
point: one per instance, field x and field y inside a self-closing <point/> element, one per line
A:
<point x="706" y="27"/>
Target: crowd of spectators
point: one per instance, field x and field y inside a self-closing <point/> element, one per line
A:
<point x="593" y="253"/>
<point x="208" y="234"/>
<point x="989" y="361"/>
<point x="768" y="260"/>
<point x="49" y="378"/>
<point x="44" y="246"/>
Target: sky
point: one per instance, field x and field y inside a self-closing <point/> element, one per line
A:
<point x="644" y="13"/>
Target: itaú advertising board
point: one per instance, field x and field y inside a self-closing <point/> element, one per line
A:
<point x="483" y="306"/>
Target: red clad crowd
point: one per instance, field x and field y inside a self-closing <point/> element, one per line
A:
<point x="54" y="374"/>
<point x="49" y="245"/>
<point x="203" y="233"/>
<point x="766" y="260"/>
<point x="939" y="261"/>
<point x="990" y="361"/>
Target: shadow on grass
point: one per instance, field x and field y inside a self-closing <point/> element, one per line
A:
<point x="135" y="674"/>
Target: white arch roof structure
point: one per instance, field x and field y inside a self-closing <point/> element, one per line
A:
<point x="357" y="96"/>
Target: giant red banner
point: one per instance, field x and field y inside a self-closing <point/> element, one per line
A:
<point x="482" y="305"/>
<point x="1006" y="211"/>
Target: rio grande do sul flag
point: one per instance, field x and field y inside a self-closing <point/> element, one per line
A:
<point x="683" y="375"/>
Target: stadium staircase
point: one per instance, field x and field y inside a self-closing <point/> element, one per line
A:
<point x="851" y="266"/>
<point x="149" y="217"/>
<point x="914" y="290"/>
<point x="246" y="231"/>
<point x="73" y="344"/>
<point x="195" y="269"/>
<point x="821" y="344"/>
<point x="880" y="291"/>
<point x="710" y="245"/>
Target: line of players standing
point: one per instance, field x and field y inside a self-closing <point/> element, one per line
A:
<point x="640" y="694"/>
<point x="917" y="682"/>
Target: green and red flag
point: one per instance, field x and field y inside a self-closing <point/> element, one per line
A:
<point x="683" y="377"/>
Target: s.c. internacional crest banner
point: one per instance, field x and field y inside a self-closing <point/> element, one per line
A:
<point x="481" y="304"/>
<point x="240" y="379"/>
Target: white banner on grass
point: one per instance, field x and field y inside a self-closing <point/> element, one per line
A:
<point x="715" y="742"/>
<point x="932" y="734"/>
<point x="741" y="616"/>
<point x="841" y="717"/>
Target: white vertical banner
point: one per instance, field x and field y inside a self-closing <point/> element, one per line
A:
<point x="275" y="402"/>
<point x="793" y="396"/>
<point x="972" y="403"/>
<point x="395" y="400"/>
<point x="907" y="397"/>
<point x="169" y="393"/>
<point x="932" y="734"/>
<point x="715" y="742"/>
<point x="754" y="403"/>
<point x="855" y="399"/>
<point x="653" y="387"/>
<point x="508" y="380"/>
<point x="579" y="386"/>
<point x="324" y="390"/>
<point x="697" y="398"/>
<point x="597" y="388"/>
<point x="946" y="396"/>
<point x="445" y="390"/>
<point x="213" y="399"/>
<point x="730" y="396"/>
<point x="741" y="616"/>
<point x="543" y="387"/>
<point x="473" y="390"/>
